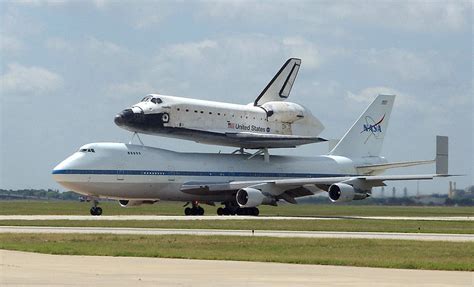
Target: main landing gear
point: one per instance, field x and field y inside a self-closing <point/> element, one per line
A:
<point x="194" y="210"/>
<point x="234" y="209"/>
<point x="95" y="210"/>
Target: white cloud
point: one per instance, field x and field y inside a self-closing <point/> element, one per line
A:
<point x="59" y="44"/>
<point x="132" y="90"/>
<point x="367" y="95"/>
<point x="433" y="16"/>
<point x="407" y="65"/>
<point x="193" y="51"/>
<point x="304" y="49"/>
<point x="9" y="44"/>
<point x="33" y="80"/>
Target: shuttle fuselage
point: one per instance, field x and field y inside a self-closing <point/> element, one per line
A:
<point x="273" y="124"/>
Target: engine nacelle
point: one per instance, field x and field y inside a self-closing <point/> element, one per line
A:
<point x="130" y="203"/>
<point x="251" y="197"/>
<point x="342" y="192"/>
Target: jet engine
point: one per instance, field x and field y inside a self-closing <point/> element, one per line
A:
<point x="252" y="197"/>
<point x="129" y="203"/>
<point x="342" y="192"/>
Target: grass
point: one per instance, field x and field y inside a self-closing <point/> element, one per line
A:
<point x="366" y="225"/>
<point x="175" y="208"/>
<point x="349" y="252"/>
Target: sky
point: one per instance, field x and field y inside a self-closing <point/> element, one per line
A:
<point x="67" y="67"/>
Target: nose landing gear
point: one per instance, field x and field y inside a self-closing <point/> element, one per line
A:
<point x="194" y="210"/>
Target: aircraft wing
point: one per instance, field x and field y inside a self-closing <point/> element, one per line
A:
<point x="256" y="140"/>
<point x="289" y="189"/>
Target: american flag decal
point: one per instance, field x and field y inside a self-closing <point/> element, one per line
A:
<point x="230" y="125"/>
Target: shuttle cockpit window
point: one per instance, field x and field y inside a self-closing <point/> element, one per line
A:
<point x="156" y="100"/>
<point x="86" y="150"/>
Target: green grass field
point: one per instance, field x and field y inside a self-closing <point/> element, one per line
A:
<point x="366" y="225"/>
<point x="172" y="208"/>
<point x="350" y="252"/>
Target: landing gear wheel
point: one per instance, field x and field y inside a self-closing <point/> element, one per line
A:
<point x="200" y="211"/>
<point x="256" y="212"/>
<point x="220" y="211"/>
<point x="188" y="211"/>
<point x="96" y="211"/>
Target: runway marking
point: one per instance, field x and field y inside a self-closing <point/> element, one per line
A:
<point x="33" y="269"/>
<point x="226" y="232"/>
<point x="215" y="217"/>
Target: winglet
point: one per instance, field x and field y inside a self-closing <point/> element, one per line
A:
<point x="280" y="86"/>
<point x="441" y="155"/>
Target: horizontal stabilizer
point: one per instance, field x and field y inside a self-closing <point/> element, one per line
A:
<point x="367" y="169"/>
<point x="280" y="86"/>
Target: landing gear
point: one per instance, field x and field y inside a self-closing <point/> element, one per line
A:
<point x="232" y="209"/>
<point x="95" y="210"/>
<point x="195" y="210"/>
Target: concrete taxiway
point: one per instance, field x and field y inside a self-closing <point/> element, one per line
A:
<point x="27" y="269"/>
<point x="215" y="217"/>
<point x="225" y="232"/>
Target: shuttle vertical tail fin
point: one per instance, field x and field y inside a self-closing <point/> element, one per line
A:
<point x="365" y="137"/>
<point x="280" y="86"/>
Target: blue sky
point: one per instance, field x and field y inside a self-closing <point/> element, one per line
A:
<point x="67" y="67"/>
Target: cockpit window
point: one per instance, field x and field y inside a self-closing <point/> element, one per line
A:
<point x="86" y="150"/>
<point x="156" y="100"/>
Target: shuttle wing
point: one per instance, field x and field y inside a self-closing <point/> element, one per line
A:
<point x="256" y="140"/>
<point x="280" y="86"/>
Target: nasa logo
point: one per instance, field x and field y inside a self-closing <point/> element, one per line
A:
<point x="372" y="126"/>
<point x="268" y="130"/>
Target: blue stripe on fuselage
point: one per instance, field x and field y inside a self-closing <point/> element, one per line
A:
<point x="192" y="173"/>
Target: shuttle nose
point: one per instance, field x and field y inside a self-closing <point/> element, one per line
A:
<point x="123" y="117"/>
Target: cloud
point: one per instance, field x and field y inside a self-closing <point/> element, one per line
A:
<point x="59" y="44"/>
<point x="367" y="95"/>
<point x="132" y="90"/>
<point x="432" y="16"/>
<point x="407" y="65"/>
<point x="32" y="80"/>
<point x="192" y="51"/>
<point x="304" y="49"/>
<point x="9" y="44"/>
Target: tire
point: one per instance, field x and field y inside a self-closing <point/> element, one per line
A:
<point x="98" y="211"/>
<point x="93" y="210"/>
<point x="220" y="211"/>
<point x="188" y="211"/>
<point x="200" y="211"/>
<point x="256" y="211"/>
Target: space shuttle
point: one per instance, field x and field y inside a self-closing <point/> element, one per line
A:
<point x="268" y="122"/>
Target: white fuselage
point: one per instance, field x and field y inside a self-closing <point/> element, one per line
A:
<point x="123" y="171"/>
<point x="209" y="122"/>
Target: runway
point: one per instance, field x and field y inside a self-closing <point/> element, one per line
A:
<point x="27" y="269"/>
<point x="226" y="232"/>
<point x="215" y="217"/>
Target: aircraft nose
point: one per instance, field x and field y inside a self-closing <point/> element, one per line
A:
<point x="123" y="117"/>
